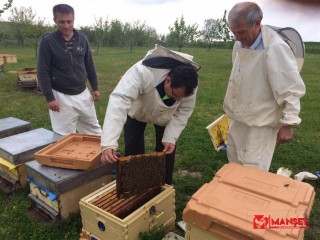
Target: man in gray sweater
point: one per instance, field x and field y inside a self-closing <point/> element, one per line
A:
<point x="64" y="65"/>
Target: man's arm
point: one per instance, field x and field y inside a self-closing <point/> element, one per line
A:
<point x="286" y="83"/>
<point x="90" y="68"/>
<point x="180" y="119"/>
<point x="120" y="102"/>
<point x="43" y="69"/>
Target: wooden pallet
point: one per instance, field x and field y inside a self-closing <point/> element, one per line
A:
<point x="43" y="209"/>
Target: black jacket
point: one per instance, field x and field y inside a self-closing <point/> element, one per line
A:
<point x="62" y="71"/>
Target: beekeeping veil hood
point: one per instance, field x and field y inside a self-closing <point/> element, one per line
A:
<point x="294" y="40"/>
<point x="161" y="57"/>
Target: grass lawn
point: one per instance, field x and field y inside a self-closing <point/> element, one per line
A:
<point x="195" y="152"/>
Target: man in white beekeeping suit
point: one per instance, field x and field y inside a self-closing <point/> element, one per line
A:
<point x="159" y="89"/>
<point x="264" y="89"/>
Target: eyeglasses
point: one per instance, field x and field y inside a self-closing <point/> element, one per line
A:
<point x="174" y="95"/>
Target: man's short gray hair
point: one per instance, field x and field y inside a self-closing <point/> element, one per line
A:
<point x="248" y="11"/>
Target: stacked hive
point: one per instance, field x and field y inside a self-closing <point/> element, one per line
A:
<point x="18" y="143"/>
<point x="64" y="172"/>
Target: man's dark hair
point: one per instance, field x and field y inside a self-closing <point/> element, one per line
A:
<point x="62" y="8"/>
<point x="184" y="76"/>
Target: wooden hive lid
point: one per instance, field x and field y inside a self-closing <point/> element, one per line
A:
<point x="138" y="173"/>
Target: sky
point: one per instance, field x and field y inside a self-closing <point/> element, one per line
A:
<point x="303" y="15"/>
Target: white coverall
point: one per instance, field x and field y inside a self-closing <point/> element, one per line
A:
<point x="263" y="93"/>
<point x="77" y="112"/>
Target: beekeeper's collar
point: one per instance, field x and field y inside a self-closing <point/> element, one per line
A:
<point x="175" y="56"/>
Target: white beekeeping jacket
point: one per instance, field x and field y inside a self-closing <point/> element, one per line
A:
<point x="137" y="96"/>
<point x="265" y="86"/>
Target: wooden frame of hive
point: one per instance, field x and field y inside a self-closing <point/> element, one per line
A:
<point x="138" y="173"/>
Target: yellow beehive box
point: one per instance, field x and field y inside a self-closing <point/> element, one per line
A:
<point x="218" y="131"/>
<point x="15" y="175"/>
<point x="3" y="58"/>
<point x="246" y="203"/>
<point x="27" y="77"/>
<point x="100" y="224"/>
<point x="9" y="58"/>
<point x="38" y="192"/>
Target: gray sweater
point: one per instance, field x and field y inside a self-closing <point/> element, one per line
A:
<point x="61" y="70"/>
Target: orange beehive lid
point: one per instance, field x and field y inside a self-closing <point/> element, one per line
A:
<point x="245" y="201"/>
<point x="73" y="151"/>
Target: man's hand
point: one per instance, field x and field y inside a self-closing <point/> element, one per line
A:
<point x="54" y="106"/>
<point x="168" y="147"/>
<point x="285" y="134"/>
<point x="95" y="95"/>
<point x="109" y="156"/>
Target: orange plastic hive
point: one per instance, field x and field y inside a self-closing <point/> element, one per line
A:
<point x="74" y="151"/>
<point x="246" y="203"/>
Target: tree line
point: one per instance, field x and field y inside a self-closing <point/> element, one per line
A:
<point x="25" y="29"/>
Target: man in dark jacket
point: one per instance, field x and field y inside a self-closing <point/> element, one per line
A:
<point x="64" y="65"/>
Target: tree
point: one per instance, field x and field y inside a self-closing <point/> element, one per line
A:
<point x="100" y="30"/>
<point x="115" y="35"/>
<point x="22" y="20"/>
<point x="37" y="29"/>
<point x="89" y="32"/>
<point x="140" y="34"/>
<point x="225" y="29"/>
<point x="216" y="30"/>
<point x="6" y="6"/>
<point x="210" y="31"/>
<point x="180" y="34"/>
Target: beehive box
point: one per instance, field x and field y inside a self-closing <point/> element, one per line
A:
<point x="57" y="191"/>
<point x="247" y="203"/>
<point x="10" y="126"/>
<point x="12" y="177"/>
<point x="74" y="151"/>
<point x="20" y="148"/>
<point x="218" y="131"/>
<point x="131" y="182"/>
<point x="98" y="223"/>
<point x="9" y="58"/>
<point x="27" y="77"/>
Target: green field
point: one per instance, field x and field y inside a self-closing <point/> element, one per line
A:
<point x="195" y="153"/>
